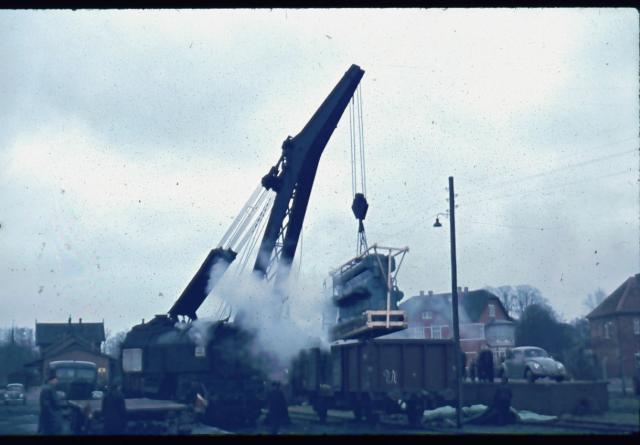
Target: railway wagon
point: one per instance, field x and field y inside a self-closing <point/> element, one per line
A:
<point x="370" y="377"/>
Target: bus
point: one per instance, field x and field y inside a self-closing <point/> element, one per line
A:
<point x="77" y="379"/>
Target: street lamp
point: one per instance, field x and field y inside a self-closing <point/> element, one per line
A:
<point x="454" y="300"/>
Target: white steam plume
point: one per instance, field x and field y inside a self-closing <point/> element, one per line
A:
<point x="257" y="307"/>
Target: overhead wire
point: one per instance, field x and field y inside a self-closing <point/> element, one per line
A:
<point x="548" y="172"/>
<point x="484" y="179"/>
<point x="464" y="204"/>
<point x="554" y="187"/>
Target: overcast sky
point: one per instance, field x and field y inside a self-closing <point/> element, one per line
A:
<point x="130" y="140"/>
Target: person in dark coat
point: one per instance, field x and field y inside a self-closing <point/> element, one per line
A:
<point x="277" y="406"/>
<point x="636" y="377"/>
<point x="463" y="365"/>
<point x="114" y="411"/>
<point x="50" y="420"/>
<point x="499" y="412"/>
<point x="473" y="370"/>
<point x="485" y="366"/>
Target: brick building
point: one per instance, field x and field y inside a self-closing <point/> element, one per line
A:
<point x="72" y="341"/>
<point x="484" y="322"/>
<point x="615" y="329"/>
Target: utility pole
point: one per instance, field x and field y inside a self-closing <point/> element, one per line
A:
<point x="454" y="303"/>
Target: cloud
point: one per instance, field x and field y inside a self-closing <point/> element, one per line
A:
<point x="134" y="137"/>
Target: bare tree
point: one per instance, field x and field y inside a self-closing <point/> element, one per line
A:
<point x="594" y="299"/>
<point x="113" y="344"/>
<point x="505" y="294"/>
<point x="516" y="299"/>
<point x="16" y="349"/>
<point x="525" y="296"/>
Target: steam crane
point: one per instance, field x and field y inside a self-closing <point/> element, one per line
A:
<point x="159" y="358"/>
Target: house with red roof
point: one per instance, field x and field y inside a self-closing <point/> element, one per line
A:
<point x="615" y="329"/>
<point x="484" y="321"/>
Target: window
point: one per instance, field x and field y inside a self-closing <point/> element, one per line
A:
<point x="636" y="326"/>
<point x="132" y="360"/>
<point x="606" y="330"/>
<point x="436" y="332"/>
<point x="426" y="315"/>
<point x="64" y="373"/>
<point x="85" y="374"/>
<point x="492" y="310"/>
<point x="535" y="352"/>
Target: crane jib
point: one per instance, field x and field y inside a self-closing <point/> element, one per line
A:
<point x="295" y="180"/>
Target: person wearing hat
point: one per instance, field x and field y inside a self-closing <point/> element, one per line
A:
<point x="114" y="411"/>
<point x="50" y="419"/>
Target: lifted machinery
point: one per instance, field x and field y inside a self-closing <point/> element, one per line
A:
<point x="366" y="293"/>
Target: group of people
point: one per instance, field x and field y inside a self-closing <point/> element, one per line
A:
<point x="482" y="369"/>
<point x="51" y="419"/>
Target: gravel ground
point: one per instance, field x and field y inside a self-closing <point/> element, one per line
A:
<point x="23" y="420"/>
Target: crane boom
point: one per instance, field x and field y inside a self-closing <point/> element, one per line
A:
<point x="292" y="178"/>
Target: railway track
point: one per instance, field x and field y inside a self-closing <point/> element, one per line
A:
<point x="305" y="421"/>
<point x="350" y="426"/>
<point x="397" y="425"/>
<point x="596" y="427"/>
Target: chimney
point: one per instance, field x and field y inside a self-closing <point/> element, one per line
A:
<point x="431" y="293"/>
<point x="80" y="320"/>
<point x="466" y="290"/>
<point x="422" y="293"/>
<point x="69" y="319"/>
<point x="459" y="290"/>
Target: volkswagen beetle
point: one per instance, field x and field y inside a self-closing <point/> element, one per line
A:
<point x="531" y="363"/>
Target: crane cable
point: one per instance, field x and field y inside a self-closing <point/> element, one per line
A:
<point x="362" y="162"/>
<point x="356" y="139"/>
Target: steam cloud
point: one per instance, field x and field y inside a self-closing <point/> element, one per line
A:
<point x="215" y="274"/>
<point x="258" y="307"/>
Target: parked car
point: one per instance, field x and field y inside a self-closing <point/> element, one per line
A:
<point x="15" y="394"/>
<point x="531" y="363"/>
